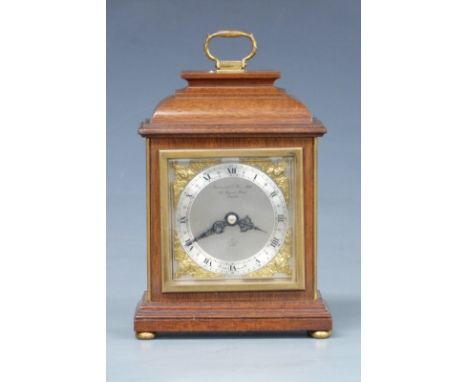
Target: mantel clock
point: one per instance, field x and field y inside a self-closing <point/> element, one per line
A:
<point x="231" y="207"/>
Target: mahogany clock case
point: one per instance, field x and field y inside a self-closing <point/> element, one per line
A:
<point x="231" y="111"/>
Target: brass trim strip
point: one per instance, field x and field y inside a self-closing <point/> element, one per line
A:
<point x="315" y="216"/>
<point x="148" y="222"/>
<point x="299" y="216"/>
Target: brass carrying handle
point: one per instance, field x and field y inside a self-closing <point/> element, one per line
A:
<point x="230" y="66"/>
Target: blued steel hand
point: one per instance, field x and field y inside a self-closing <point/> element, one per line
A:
<point x="231" y="219"/>
<point x="246" y="224"/>
<point x="216" y="228"/>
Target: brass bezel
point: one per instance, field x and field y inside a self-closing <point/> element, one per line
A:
<point x="170" y="285"/>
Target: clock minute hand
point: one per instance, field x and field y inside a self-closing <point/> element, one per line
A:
<point x="246" y="224"/>
<point x="216" y="228"/>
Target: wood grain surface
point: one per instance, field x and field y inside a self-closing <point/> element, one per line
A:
<point x="236" y="110"/>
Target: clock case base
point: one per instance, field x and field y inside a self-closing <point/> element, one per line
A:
<point x="267" y="316"/>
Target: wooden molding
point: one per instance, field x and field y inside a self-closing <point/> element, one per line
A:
<point x="232" y="104"/>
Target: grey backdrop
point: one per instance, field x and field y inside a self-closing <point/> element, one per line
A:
<point x="316" y="46"/>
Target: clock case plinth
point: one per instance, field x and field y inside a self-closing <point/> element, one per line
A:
<point x="266" y="316"/>
<point x="231" y="111"/>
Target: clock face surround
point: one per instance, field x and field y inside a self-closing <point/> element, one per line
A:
<point x="232" y="219"/>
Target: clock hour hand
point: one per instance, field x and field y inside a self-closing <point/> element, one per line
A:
<point x="230" y="219"/>
<point x="217" y="228"/>
<point x="246" y="224"/>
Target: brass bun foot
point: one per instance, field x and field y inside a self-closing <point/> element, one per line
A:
<point x="320" y="334"/>
<point x="145" y="335"/>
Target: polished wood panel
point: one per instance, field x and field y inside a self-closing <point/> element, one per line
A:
<point x="220" y="143"/>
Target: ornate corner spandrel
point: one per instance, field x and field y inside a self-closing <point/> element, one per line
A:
<point x="186" y="266"/>
<point x="276" y="170"/>
<point x="279" y="264"/>
<point x="184" y="173"/>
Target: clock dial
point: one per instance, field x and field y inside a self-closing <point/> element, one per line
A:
<point x="232" y="219"/>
